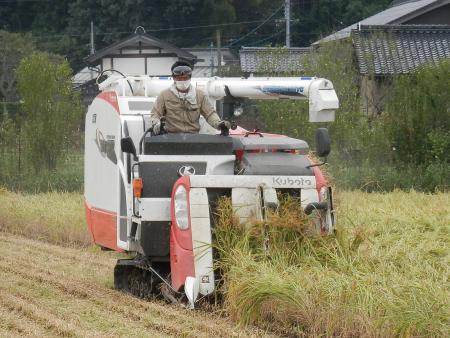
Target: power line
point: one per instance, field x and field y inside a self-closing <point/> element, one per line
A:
<point x="152" y="30"/>
<point x="268" y="38"/>
<point x="203" y="26"/>
<point x="256" y="28"/>
<point x="19" y="1"/>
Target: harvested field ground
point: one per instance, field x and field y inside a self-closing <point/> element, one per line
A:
<point x="48" y="290"/>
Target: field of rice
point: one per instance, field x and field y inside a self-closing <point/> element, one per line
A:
<point x="385" y="273"/>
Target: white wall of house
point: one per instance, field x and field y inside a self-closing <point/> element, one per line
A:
<point x="136" y="65"/>
<point x="151" y="63"/>
<point x="160" y="65"/>
<point x="129" y="66"/>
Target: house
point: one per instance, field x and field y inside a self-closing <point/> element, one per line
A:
<point x="207" y="64"/>
<point x="139" y="54"/>
<point x="393" y="42"/>
<point x="388" y="50"/>
<point x="142" y="54"/>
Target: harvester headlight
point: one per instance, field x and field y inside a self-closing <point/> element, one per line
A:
<point x="181" y="208"/>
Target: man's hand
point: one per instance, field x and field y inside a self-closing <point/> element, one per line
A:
<point x="224" y="127"/>
<point x="157" y="128"/>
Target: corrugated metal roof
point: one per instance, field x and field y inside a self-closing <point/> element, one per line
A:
<point x="84" y="75"/>
<point x="261" y="59"/>
<point x="393" y="15"/>
<point x="399" y="49"/>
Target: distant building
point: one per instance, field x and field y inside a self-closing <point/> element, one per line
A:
<point x="139" y="54"/>
<point x="396" y="41"/>
<point x="387" y="50"/>
<point x="399" y="49"/>
<point x="207" y="65"/>
<point x="142" y="54"/>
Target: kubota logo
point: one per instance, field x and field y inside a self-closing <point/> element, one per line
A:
<point x="286" y="181"/>
<point x="186" y="170"/>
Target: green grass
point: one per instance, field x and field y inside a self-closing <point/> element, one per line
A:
<point x="385" y="272"/>
<point x="68" y="176"/>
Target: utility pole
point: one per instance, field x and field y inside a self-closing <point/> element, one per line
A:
<point x="287" y="15"/>
<point x="92" y="46"/>
<point x="219" y="52"/>
<point x="211" y="61"/>
<point x="92" y="38"/>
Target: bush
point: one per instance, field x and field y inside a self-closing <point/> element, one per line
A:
<point x="52" y="108"/>
<point x="40" y="143"/>
<point x="66" y="177"/>
<point x="418" y="115"/>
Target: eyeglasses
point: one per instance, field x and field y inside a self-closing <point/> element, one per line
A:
<point x="182" y="70"/>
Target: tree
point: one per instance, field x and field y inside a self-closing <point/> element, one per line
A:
<point x="13" y="48"/>
<point x="68" y="33"/>
<point x="52" y="108"/>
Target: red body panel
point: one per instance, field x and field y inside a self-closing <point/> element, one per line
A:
<point x="181" y="249"/>
<point x="320" y="179"/>
<point x="111" y="98"/>
<point x="102" y="225"/>
<point x="181" y="261"/>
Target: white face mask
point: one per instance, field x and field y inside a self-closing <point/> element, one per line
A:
<point x="183" y="85"/>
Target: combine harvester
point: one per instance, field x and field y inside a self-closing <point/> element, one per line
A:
<point x="154" y="196"/>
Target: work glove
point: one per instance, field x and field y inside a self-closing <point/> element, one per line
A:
<point x="224" y="127"/>
<point x="157" y="128"/>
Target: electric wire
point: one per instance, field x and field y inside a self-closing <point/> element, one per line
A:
<point x="256" y="28"/>
<point x="268" y="38"/>
<point x="148" y="30"/>
<point x="20" y="1"/>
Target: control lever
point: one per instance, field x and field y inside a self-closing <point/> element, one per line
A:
<point x="162" y="129"/>
<point x="224" y="131"/>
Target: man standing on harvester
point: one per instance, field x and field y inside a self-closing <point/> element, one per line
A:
<point x="181" y="105"/>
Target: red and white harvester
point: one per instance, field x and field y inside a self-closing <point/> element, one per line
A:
<point x="154" y="196"/>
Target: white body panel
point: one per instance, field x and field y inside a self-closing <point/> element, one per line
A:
<point x="100" y="171"/>
<point x="253" y="181"/>
<point x="154" y="209"/>
<point x="201" y="240"/>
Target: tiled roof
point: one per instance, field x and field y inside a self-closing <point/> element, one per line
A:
<point x="396" y="14"/>
<point x="399" y="49"/>
<point x="262" y="59"/>
<point x="204" y="56"/>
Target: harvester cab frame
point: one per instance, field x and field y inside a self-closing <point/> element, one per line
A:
<point x="156" y="203"/>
